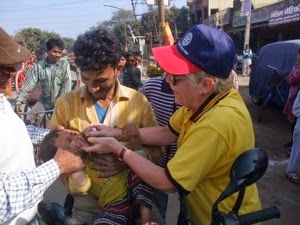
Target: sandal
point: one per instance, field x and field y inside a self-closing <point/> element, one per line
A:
<point x="293" y="178"/>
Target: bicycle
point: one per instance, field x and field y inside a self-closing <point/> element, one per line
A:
<point x="40" y="121"/>
<point x="275" y="82"/>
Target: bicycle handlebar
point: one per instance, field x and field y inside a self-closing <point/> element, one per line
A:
<point x="37" y="113"/>
<point x="260" y="216"/>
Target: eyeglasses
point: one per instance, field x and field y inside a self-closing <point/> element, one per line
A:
<point x="174" y="78"/>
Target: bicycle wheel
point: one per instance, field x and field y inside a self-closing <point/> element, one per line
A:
<point x="19" y="79"/>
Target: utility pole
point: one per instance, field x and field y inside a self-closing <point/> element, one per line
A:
<point x="246" y="10"/>
<point x="161" y="16"/>
<point x="247" y="29"/>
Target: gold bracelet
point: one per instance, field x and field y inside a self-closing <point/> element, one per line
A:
<point x="121" y="153"/>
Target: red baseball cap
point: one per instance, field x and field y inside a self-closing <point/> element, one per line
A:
<point x="172" y="61"/>
<point x="201" y="48"/>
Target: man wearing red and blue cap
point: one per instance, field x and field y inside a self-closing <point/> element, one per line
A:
<point x="212" y="128"/>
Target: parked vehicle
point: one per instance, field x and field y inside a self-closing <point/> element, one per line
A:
<point x="280" y="55"/>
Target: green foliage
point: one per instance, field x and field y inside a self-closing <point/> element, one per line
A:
<point x="118" y="24"/>
<point x="69" y="43"/>
<point x="178" y="20"/>
<point x="154" y="71"/>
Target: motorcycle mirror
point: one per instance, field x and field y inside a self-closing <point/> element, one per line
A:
<point x="248" y="167"/>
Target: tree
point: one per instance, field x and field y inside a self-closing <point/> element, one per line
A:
<point x="178" y="20"/>
<point x="35" y="39"/>
<point x="118" y="24"/>
<point x="69" y="43"/>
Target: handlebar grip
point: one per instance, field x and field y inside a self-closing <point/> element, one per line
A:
<point x="271" y="67"/>
<point x="259" y="216"/>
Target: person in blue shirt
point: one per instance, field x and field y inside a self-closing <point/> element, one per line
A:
<point x="247" y="60"/>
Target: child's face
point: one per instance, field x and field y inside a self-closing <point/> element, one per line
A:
<point x="70" y="141"/>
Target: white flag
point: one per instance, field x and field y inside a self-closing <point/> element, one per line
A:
<point x="246" y="8"/>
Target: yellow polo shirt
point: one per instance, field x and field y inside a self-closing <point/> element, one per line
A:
<point x="207" y="148"/>
<point x="75" y="110"/>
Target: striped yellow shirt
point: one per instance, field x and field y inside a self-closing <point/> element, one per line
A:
<point x="75" y="110"/>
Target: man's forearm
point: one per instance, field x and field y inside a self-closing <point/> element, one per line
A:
<point x="20" y="192"/>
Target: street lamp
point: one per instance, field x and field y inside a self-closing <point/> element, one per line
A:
<point x="124" y="22"/>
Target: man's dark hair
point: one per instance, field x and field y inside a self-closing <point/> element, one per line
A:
<point x="55" y="42"/>
<point x="96" y="49"/>
<point x="123" y="54"/>
<point x="129" y="54"/>
<point x="138" y="53"/>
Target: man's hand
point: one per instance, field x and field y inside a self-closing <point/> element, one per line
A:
<point x="107" y="164"/>
<point x="62" y="128"/>
<point x="132" y="134"/>
<point x="98" y="130"/>
<point x="68" y="162"/>
<point x="18" y="108"/>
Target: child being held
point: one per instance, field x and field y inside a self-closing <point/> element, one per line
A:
<point x="116" y="194"/>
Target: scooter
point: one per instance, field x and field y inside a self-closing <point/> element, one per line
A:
<point x="249" y="167"/>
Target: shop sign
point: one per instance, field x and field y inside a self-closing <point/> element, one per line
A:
<point x="260" y="15"/>
<point x="257" y="16"/>
<point x="224" y="17"/>
<point x="285" y="15"/>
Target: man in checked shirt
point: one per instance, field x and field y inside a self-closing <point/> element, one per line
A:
<point x="52" y="74"/>
<point x="21" y="183"/>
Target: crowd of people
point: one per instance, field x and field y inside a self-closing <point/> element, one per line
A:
<point x="120" y="146"/>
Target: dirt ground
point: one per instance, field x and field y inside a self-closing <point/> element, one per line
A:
<point x="271" y="133"/>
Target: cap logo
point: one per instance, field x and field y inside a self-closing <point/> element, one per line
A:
<point x="187" y="39"/>
<point x="19" y="49"/>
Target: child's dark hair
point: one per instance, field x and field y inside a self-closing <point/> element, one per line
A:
<point x="47" y="147"/>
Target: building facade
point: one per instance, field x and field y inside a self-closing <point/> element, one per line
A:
<point x="271" y="21"/>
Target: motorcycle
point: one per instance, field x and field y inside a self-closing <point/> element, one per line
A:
<point x="248" y="168"/>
